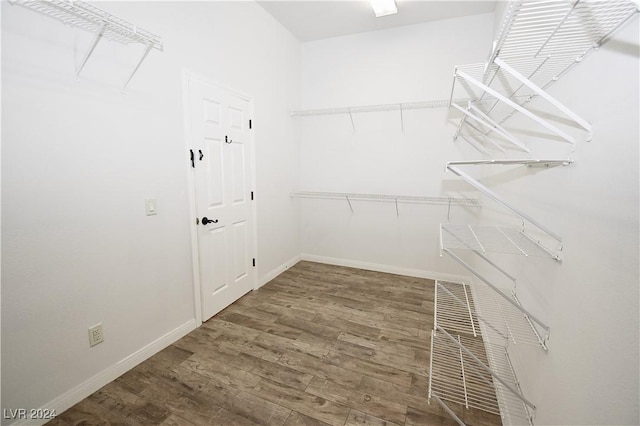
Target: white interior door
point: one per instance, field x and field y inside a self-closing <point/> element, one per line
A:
<point x="220" y="141"/>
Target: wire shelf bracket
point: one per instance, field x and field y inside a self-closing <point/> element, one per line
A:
<point x="542" y="93"/>
<point x="452" y="166"/>
<point x="510" y="320"/>
<point x="461" y="74"/>
<point x="486" y="121"/>
<point x="83" y="15"/>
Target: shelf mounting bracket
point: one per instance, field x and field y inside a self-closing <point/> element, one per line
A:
<point x="146" y="51"/>
<point x="539" y="91"/>
<point x="92" y="47"/>
<point x="517" y="107"/>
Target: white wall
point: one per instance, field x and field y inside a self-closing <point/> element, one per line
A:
<point x="590" y="374"/>
<point x="80" y="158"/>
<point x="407" y="64"/>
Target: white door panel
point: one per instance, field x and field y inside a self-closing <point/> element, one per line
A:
<point x="220" y="142"/>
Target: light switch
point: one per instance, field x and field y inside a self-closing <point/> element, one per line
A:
<point x="150" y="206"/>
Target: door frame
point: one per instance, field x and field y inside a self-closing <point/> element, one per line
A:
<point x="187" y="76"/>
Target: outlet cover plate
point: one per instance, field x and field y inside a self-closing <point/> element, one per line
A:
<point x="96" y="335"/>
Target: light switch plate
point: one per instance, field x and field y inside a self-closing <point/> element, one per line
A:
<point x="150" y="206"/>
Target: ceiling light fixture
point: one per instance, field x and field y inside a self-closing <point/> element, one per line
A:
<point x="384" y="7"/>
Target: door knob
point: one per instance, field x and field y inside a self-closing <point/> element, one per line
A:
<point x="206" y="221"/>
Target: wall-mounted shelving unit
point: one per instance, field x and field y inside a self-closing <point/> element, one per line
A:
<point x="538" y="41"/>
<point x="79" y="14"/>
<point x="466" y="367"/>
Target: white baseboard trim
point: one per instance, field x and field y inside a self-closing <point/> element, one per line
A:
<point x="277" y="271"/>
<point x="106" y="376"/>
<point x="418" y="273"/>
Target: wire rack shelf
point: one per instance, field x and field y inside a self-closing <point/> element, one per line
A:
<point x="491" y="239"/>
<point x="469" y="371"/>
<point x="538" y="42"/>
<point x="102" y="24"/>
<point x="455" y="309"/>
<point x="83" y="15"/>
<point x="443" y="200"/>
<point x="402" y="106"/>
<point x="503" y="323"/>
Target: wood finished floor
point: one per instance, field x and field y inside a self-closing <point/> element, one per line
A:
<point x="317" y="345"/>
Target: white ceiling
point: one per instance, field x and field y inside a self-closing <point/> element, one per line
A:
<point x="314" y="20"/>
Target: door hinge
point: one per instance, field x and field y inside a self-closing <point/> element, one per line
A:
<point x="254" y="261"/>
<point x="251" y="195"/>
<point x="250" y="124"/>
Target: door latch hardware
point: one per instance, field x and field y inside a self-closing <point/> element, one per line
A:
<point x="227" y="140"/>
<point x="193" y="163"/>
<point x="206" y="221"/>
<point x="201" y="154"/>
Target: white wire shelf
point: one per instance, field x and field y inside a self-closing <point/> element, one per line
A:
<point x="444" y="200"/>
<point x="513" y="410"/>
<point x="83" y="15"/>
<point x="531" y="162"/>
<point x="403" y="106"/>
<point x="456" y="377"/>
<point x="455" y="309"/>
<point x="466" y="370"/>
<point x="102" y="24"/>
<point x="503" y="321"/>
<point x="538" y="42"/>
<point x="491" y="239"/>
<point x="545" y="37"/>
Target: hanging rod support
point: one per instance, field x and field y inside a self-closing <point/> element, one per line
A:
<point x="353" y="126"/>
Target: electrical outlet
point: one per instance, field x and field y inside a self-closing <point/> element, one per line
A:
<point x="96" y="335"/>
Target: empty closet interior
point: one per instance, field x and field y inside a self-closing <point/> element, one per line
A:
<point x="494" y="152"/>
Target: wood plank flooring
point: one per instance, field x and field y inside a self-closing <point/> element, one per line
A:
<point x="318" y="345"/>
